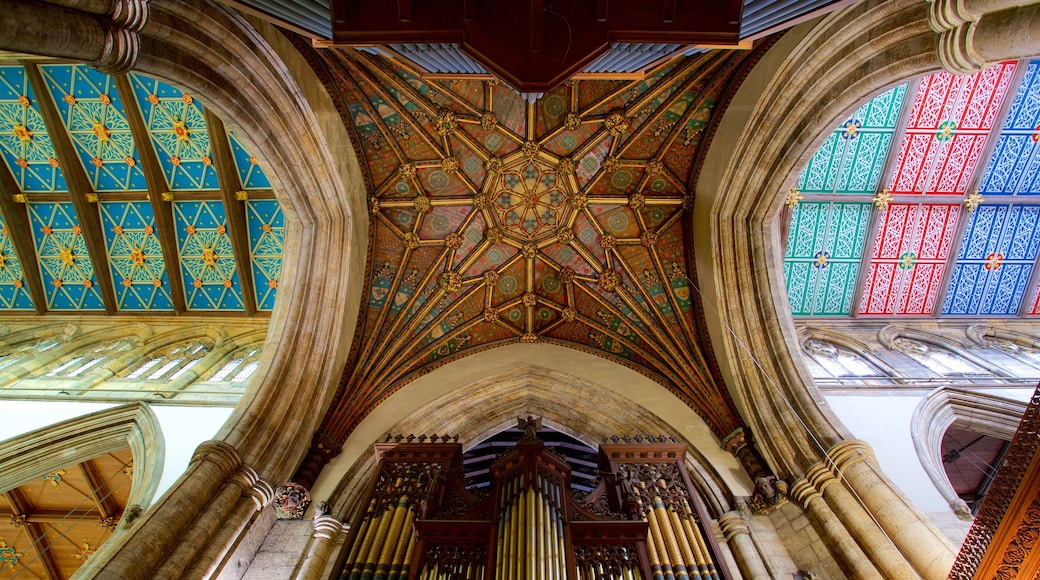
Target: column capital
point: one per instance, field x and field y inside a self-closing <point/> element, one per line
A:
<point x="219" y="452"/>
<point x="733" y="524"/>
<point x="326" y="526"/>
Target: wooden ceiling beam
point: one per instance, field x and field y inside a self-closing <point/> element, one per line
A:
<point x="165" y="224"/>
<point x="102" y="495"/>
<point x="19" y="230"/>
<point x="35" y="530"/>
<point x="234" y="207"/>
<point x="79" y="188"/>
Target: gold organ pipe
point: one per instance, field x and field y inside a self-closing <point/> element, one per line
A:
<point x="366" y="545"/>
<point x="394" y="534"/>
<point x="362" y="532"/>
<point x="530" y="533"/>
<point x="687" y="545"/>
<point x="406" y="538"/>
<point x="701" y="546"/>
<point x="674" y="556"/>
<point x="370" y="557"/>
<point x="658" y="540"/>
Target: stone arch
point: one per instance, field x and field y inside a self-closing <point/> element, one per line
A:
<point x="814" y="75"/>
<point x="250" y="76"/>
<point x="808" y="80"/>
<point x="946" y="407"/>
<point x="558" y="382"/>
<point x="44" y="450"/>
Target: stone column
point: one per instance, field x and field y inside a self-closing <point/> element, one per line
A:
<point x="207" y="493"/>
<point x="877" y="546"/>
<point x="254" y="494"/>
<point x="833" y="531"/>
<point x="976" y="33"/>
<point x="109" y="41"/>
<point x="328" y="531"/>
<point x="735" y="529"/>
<point x="920" y="542"/>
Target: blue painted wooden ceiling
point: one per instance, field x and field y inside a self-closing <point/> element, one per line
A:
<point x="113" y="199"/>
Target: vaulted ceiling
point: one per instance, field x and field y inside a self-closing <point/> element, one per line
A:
<point x="496" y="220"/>
<point x="924" y="202"/>
<point x="123" y="194"/>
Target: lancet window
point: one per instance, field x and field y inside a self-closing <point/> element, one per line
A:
<point x="938" y="360"/>
<point x="242" y="366"/>
<point x="79" y="365"/>
<point x="828" y="360"/>
<point x="171" y="362"/>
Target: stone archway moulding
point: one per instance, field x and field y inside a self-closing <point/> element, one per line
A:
<point x="639" y="401"/>
<point x="49" y="449"/>
<point x="946" y="407"/>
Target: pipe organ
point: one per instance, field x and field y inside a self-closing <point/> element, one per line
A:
<point x="420" y="521"/>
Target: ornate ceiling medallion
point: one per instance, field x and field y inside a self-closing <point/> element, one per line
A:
<point x="529" y="199"/>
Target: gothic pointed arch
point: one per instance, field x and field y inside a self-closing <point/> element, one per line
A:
<point x="947" y="407"/>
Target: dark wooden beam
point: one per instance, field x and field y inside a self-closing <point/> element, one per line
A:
<point x="106" y="502"/>
<point x="37" y="536"/>
<point x="165" y="224"/>
<point x="235" y="206"/>
<point x="19" y="229"/>
<point x="79" y="188"/>
<point x="667" y="10"/>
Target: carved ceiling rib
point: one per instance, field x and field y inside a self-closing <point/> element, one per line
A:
<point x="496" y="220"/>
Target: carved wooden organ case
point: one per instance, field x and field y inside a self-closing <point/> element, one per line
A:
<point x="420" y="521"/>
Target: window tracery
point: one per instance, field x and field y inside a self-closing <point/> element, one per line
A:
<point x="81" y="364"/>
<point x="938" y="360"/>
<point x="241" y="367"/>
<point x="837" y="362"/>
<point x="171" y="363"/>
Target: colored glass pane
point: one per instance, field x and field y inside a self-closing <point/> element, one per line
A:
<point x="24" y="141"/>
<point x="995" y="261"/>
<point x="68" y="273"/>
<point x="93" y="114"/>
<point x="949" y="121"/>
<point x="266" y="237"/>
<point x="135" y="256"/>
<point x="249" y="172"/>
<point x="911" y="245"/>
<point x="177" y="126"/>
<point x="1014" y="167"/>
<point x="824" y="247"/>
<point x="14" y="294"/>
<point x="207" y="260"/>
<point x="853" y="156"/>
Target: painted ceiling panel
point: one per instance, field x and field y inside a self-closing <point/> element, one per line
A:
<point x="207" y="260"/>
<point x="995" y="261"/>
<point x="824" y="248"/>
<point x="852" y="158"/>
<point x="24" y="139"/>
<point x="179" y="133"/>
<point x="68" y="273"/>
<point x="14" y="294"/>
<point x="135" y="256"/>
<point x="249" y="172"/>
<point x="911" y="246"/>
<point x="946" y="130"/>
<point x="493" y="221"/>
<point x="1014" y="168"/>
<point x="266" y="237"/>
<point x="93" y="114"/>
